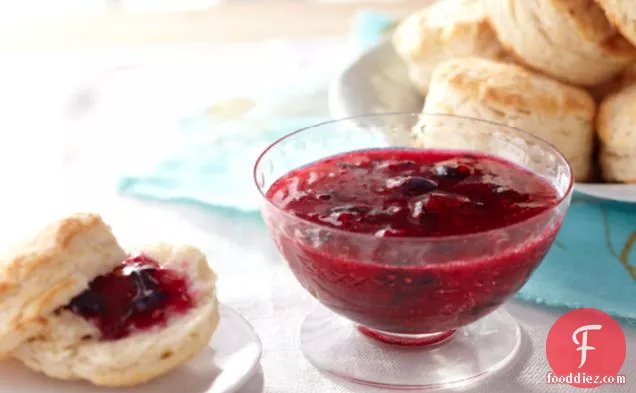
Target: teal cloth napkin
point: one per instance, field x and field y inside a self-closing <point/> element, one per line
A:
<point x="592" y="263"/>
<point x="211" y="152"/>
<point x="589" y="266"/>
<point x="369" y="27"/>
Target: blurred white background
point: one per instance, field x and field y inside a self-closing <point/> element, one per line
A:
<point x="47" y="8"/>
<point x="60" y="58"/>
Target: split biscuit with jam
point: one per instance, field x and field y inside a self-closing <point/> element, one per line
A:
<point x="153" y="312"/>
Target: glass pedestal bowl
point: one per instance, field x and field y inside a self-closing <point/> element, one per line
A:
<point x="411" y="312"/>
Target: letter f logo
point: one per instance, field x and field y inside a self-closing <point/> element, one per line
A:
<point x="583" y="344"/>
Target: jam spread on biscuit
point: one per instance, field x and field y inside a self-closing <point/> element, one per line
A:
<point x="137" y="295"/>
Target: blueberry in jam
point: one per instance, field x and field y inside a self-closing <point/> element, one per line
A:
<point x="415" y="185"/>
<point x="88" y="302"/>
<point x="138" y="294"/>
<point x="396" y="286"/>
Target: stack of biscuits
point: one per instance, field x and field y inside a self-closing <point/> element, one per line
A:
<point x="564" y="70"/>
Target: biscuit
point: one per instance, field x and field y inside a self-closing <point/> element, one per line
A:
<point x="615" y="126"/>
<point x="446" y="29"/>
<point x="622" y="14"/>
<point x="570" y="40"/>
<point x="70" y="347"/>
<point x="617" y="168"/>
<point x="48" y="270"/>
<point x="508" y="94"/>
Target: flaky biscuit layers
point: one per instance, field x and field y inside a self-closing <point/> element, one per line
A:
<point x="446" y="29"/>
<point x="509" y="94"/>
<point x="616" y="128"/>
<point x="69" y="347"/>
<point x="48" y="270"/>
<point x="570" y="40"/>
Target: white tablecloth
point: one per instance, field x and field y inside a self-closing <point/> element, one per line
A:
<point x="253" y="279"/>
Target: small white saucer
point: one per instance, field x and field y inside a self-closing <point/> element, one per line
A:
<point x="223" y="367"/>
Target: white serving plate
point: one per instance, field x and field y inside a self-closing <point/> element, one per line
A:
<point x="223" y="367"/>
<point x="377" y="82"/>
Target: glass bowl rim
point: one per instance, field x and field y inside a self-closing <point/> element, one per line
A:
<point x="468" y="236"/>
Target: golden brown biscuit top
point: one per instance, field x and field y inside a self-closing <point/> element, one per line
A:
<point x="439" y="23"/>
<point x="42" y="248"/>
<point x="513" y="87"/>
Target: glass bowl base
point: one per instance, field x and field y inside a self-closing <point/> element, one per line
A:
<point x="407" y="340"/>
<point x="361" y="355"/>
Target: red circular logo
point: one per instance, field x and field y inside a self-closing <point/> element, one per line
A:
<point x="585" y="348"/>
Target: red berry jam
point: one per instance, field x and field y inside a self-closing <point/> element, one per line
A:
<point x="137" y="295"/>
<point x="409" y="273"/>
